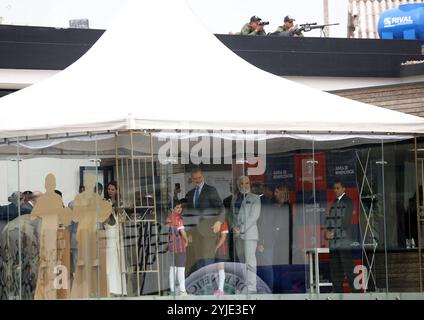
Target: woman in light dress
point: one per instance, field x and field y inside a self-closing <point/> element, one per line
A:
<point x="115" y="255"/>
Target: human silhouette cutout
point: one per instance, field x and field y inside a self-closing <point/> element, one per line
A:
<point x="49" y="208"/>
<point x="89" y="210"/>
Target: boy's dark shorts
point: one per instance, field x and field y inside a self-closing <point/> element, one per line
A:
<point x="178" y="259"/>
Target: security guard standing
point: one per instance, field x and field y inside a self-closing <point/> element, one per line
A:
<point x="253" y="28"/>
<point x="289" y="27"/>
<point x="341" y="235"/>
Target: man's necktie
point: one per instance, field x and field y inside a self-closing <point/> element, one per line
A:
<point x="237" y="204"/>
<point x="196" y="197"/>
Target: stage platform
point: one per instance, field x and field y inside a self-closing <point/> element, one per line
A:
<point x="305" y="296"/>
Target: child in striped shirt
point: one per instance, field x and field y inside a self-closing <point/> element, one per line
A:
<point x="177" y="244"/>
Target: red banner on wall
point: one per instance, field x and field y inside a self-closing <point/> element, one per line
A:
<point x="310" y="170"/>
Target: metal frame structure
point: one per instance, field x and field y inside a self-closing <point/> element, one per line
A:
<point x="142" y="221"/>
<point x="368" y="213"/>
<point x="314" y="276"/>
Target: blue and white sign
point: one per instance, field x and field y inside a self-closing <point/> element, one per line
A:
<point x="398" y="21"/>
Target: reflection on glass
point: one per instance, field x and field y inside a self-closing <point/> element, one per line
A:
<point x="53" y="254"/>
<point x="206" y="213"/>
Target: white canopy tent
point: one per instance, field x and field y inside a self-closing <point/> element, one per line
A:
<point x="159" y="68"/>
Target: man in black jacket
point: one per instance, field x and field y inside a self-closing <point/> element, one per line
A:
<point x="341" y="236"/>
<point x="266" y="241"/>
<point x="11" y="211"/>
<point x="205" y="213"/>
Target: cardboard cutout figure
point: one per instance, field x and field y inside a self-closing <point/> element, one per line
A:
<point x="49" y="208"/>
<point x="89" y="211"/>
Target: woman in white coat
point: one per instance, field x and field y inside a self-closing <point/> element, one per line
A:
<point x="115" y="255"/>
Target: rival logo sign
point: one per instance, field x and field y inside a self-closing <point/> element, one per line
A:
<point x="398" y="21"/>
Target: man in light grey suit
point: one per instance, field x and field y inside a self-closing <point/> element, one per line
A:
<point x="245" y="214"/>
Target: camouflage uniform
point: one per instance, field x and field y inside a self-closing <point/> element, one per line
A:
<point x="26" y="257"/>
<point x="283" y="28"/>
<point x="249" y="31"/>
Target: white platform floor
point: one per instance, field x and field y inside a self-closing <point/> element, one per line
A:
<point x="322" y="296"/>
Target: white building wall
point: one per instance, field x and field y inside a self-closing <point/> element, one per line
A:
<point x="363" y="16"/>
<point x="32" y="173"/>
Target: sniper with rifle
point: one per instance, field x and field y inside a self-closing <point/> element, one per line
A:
<point x="288" y="29"/>
<point x="298" y="31"/>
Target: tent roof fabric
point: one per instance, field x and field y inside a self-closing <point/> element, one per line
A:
<point x="157" y="78"/>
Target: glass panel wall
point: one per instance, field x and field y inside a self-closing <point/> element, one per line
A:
<point x="289" y="229"/>
<point x="208" y="213"/>
<point x="353" y="215"/>
<point x="419" y="200"/>
<point x="401" y="228"/>
<point x="139" y="184"/>
<point x="61" y="241"/>
<point x="11" y="225"/>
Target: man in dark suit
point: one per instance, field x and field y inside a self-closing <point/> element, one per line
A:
<point x="32" y="200"/>
<point x="205" y="213"/>
<point x="10" y="211"/>
<point x="341" y="236"/>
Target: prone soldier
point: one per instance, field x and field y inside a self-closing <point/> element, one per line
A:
<point x="289" y="28"/>
<point x="254" y="28"/>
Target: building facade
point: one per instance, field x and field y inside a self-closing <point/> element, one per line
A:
<point x="363" y="16"/>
